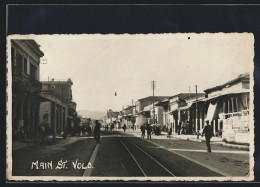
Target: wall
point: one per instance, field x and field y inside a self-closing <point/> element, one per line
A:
<point x="45" y="108"/>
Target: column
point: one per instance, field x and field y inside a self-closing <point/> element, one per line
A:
<point x="196" y="121"/>
<point x="174" y="122"/>
<point x="54" y="121"/>
<point x="20" y="118"/>
<point x="203" y="117"/>
<point x="179" y="116"/>
<point x="21" y="108"/>
<point x="62" y="120"/>
<point x="58" y="119"/>
<point x="214" y="127"/>
<point x="33" y="120"/>
<point x="28" y="125"/>
<point x="218" y="124"/>
<point x="37" y="118"/>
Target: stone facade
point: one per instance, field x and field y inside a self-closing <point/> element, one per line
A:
<point x="58" y="105"/>
<point x="25" y="63"/>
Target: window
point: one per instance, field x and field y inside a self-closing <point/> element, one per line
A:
<point x="45" y="87"/>
<point x="32" y="72"/>
<point x="25" y="65"/>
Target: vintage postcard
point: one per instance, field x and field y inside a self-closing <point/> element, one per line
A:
<point x="141" y="107"/>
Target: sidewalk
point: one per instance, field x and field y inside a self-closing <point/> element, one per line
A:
<point x="21" y="144"/>
<point x="214" y="140"/>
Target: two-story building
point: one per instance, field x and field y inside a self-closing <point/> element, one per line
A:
<point x="25" y="62"/>
<point x="57" y="106"/>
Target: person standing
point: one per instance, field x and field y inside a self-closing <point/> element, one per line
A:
<point x="208" y="131"/>
<point x="97" y="131"/>
<point x="124" y="127"/>
<point x="149" y="130"/>
<point x="143" y="131"/>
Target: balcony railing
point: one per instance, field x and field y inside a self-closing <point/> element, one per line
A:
<point x="25" y="80"/>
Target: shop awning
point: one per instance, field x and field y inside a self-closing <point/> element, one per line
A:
<point x="140" y="120"/>
<point x="171" y="111"/>
<point x="211" y="111"/>
<point x="186" y="107"/>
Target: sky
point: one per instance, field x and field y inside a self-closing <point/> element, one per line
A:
<point x="100" y="65"/>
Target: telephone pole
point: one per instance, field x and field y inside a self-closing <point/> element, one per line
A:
<point x="153" y="85"/>
<point x="197" y="124"/>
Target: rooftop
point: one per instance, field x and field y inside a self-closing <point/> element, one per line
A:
<point x="187" y="95"/>
<point x="52" y="81"/>
<point x="154" y="98"/>
<point x="241" y="77"/>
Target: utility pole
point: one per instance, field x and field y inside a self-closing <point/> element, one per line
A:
<point x="196" y="121"/>
<point x="153" y="85"/>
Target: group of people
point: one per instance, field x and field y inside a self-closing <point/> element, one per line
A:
<point x="148" y="128"/>
<point x="112" y="126"/>
<point x="208" y="131"/>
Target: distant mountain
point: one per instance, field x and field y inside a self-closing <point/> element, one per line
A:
<point x="91" y="114"/>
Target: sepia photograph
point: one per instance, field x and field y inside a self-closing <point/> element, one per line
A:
<point x="130" y="107"/>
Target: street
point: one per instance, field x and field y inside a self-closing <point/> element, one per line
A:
<point x="123" y="154"/>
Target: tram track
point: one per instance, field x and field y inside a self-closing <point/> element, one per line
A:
<point x="148" y="165"/>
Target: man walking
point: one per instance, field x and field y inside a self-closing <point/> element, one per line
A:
<point x="149" y="131"/>
<point x="97" y="131"/>
<point x="143" y="131"/>
<point x="208" y="131"/>
<point x="124" y="127"/>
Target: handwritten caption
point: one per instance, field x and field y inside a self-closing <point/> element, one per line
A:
<point x="61" y="164"/>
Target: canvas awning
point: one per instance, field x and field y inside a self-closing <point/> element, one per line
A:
<point x="211" y="111"/>
<point x="171" y="111"/>
<point x="186" y="107"/>
<point x="140" y="120"/>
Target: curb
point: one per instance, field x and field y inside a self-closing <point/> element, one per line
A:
<point x="241" y="147"/>
<point x="194" y="140"/>
<point x="88" y="171"/>
<point x="224" y="144"/>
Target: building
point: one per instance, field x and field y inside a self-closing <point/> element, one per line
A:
<point x="183" y="111"/>
<point x="143" y="114"/>
<point x="57" y="106"/>
<point x="228" y="109"/>
<point x="112" y="116"/>
<point x="25" y="63"/>
<point x="127" y="117"/>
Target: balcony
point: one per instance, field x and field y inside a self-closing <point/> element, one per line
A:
<point x="72" y="105"/>
<point x="24" y="82"/>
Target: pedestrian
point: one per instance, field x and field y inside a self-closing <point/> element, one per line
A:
<point x="143" y="131"/>
<point x="97" y="131"/>
<point x="111" y="127"/>
<point x="208" y="131"/>
<point x="124" y="127"/>
<point x="149" y="130"/>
